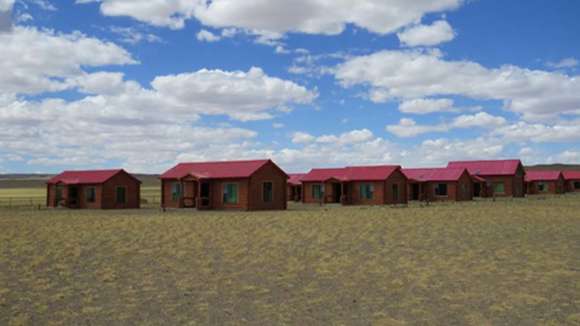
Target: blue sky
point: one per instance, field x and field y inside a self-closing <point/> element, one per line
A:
<point x="308" y="83"/>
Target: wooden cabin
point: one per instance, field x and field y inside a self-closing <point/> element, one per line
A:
<point x="239" y="185"/>
<point x="544" y="182"/>
<point x="99" y="189"/>
<point x="295" y="186"/>
<point x="572" y="179"/>
<point x="356" y="185"/>
<point x="503" y="178"/>
<point x="439" y="184"/>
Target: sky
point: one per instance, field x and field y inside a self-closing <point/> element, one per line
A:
<point x="90" y="84"/>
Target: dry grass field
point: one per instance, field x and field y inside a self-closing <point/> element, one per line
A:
<point x="513" y="262"/>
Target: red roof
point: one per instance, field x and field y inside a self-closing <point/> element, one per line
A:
<point x="436" y="174"/>
<point x="322" y="175"/>
<point x="351" y="173"/>
<point x="571" y="175"/>
<point x="542" y="175"/>
<point x="370" y="173"/>
<point x="215" y="170"/>
<point x="488" y="168"/>
<point x="295" y="178"/>
<point x="84" y="177"/>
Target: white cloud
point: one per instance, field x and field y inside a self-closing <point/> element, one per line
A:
<point x="481" y="119"/>
<point x="133" y="35"/>
<point x="241" y="95"/>
<point x="302" y="138"/>
<point x="564" y="63"/>
<point x="437" y="152"/>
<point x="56" y="59"/>
<point x="410" y="128"/>
<point x="425" y="106"/>
<point x="207" y="36"/>
<point x="6" y="5"/>
<point x="277" y="17"/>
<point x="427" y="35"/>
<point x="540" y="133"/>
<point x="410" y="74"/>
<point x="569" y="156"/>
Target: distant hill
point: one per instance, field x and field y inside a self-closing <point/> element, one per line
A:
<point x="562" y="167"/>
<point x="13" y="181"/>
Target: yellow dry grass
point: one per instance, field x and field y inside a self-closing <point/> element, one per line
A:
<point x="509" y="262"/>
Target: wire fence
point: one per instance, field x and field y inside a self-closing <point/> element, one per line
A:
<point x="38" y="203"/>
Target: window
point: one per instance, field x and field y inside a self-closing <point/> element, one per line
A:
<point x="441" y="190"/>
<point x="90" y="194"/>
<point x="542" y="187"/>
<point x="577" y="185"/>
<point x="230" y="193"/>
<point x="267" y="192"/>
<point x="499" y="188"/>
<point x="176" y="191"/>
<point x="121" y="195"/>
<point x="367" y="190"/>
<point x="317" y="191"/>
<point x="396" y="192"/>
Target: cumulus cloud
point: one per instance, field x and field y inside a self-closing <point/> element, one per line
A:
<point x="540" y="133"/>
<point x="241" y="95"/>
<point x="207" y="36"/>
<point x="134" y="35"/>
<point x="427" y="35"/>
<point x="410" y="128"/>
<point x="274" y="18"/>
<point x="393" y="75"/>
<point x="56" y="59"/>
<point x="426" y="106"/>
<point x="564" y="63"/>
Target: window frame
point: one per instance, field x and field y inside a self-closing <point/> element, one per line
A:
<point x="91" y="199"/>
<point x="224" y="193"/>
<point x="542" y="187"/>
<point x="368" y="188"/>
<point x="495" y="184"/>
<point x="117" y="194"/>
<point x="271" y="191"/>
<point x="176" y="196"/>
<point x="437" y="188"/>
<point x="320" y="192"/>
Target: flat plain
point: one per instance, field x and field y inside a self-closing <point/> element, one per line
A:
<point x="510" y="262"/>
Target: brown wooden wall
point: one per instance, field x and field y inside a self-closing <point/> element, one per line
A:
<point x="570" y="186"/>
<point x="133" y="192"/>
<point x="554" y="187"/>
<point x="250" y="191"/>
<point x="268" y="173"/>
<point x="355" y="198"/>
<point x="401" y="180"/>
<point x="105" y="194"/>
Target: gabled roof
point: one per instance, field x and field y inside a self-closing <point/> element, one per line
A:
<point x="488" y="168"/>
<point x="351" y="173"/>
<point x="216" y="170"/>
<point x="571" y="175"/>
<point x="322" y="175"/>
<point x="434" y="174"/>
<point x="542" y="175"/>
<point x="295" y="178"/>
<point x="370" y="173"/>
<point x="86" y="177"/>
